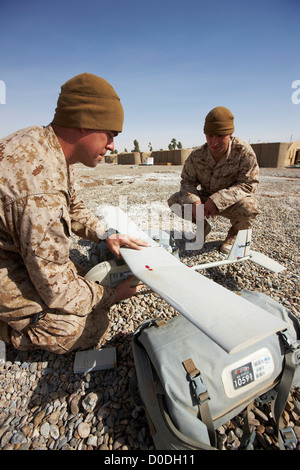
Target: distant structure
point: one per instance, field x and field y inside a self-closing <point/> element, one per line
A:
<point x="277" y="154"/>
<point x="294" y="154"/>
<point x="161" y="157"/>
<point x="272" y="155"/>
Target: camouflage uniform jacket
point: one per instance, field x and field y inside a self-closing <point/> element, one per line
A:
<point x="234" y="177"/>
<point x="38" y="211"/>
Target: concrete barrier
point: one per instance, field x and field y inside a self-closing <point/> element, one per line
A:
<point x="132" y="158"/>
<point x="172" y="157"/>
<point x="272" y="155"/>
<point x="111" y="158"/>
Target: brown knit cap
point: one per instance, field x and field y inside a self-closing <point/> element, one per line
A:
<point x="89" y="102"/>
<point x="219" y="121"/>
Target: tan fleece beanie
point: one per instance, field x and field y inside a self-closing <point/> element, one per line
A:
<point x="89" y="102"/>
<point x="219" y="121"/>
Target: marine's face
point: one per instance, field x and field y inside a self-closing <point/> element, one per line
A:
<point x="93" y="145"/>
<point x="218" y="144"/>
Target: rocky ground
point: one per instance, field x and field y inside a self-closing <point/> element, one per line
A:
<point x="45" y="405"/>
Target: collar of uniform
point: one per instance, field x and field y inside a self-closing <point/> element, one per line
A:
<point x="53" y="140"/>
<point x="63" y="176"/>
<point x="228" y="153"/>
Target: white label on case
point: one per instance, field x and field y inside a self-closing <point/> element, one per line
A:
<point x="247" y="372"/>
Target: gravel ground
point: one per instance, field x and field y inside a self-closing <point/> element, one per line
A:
<point x="44" y="405"/>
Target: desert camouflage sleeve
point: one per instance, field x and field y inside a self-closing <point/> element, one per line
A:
<point x="44" y="234"/>
<point x="189" y="182"/>
<point x="83" y="222"/>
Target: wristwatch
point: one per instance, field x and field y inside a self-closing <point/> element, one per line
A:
<point x="108" y="233"/>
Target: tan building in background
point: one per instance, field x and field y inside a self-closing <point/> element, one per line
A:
<point x="277" y="154"/>
<point x="272" y="155"/>
<point x="294" y="153"/>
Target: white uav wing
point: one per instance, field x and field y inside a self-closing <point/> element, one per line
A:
<point x="228" y="319"/>
<point x="265" y="262"/>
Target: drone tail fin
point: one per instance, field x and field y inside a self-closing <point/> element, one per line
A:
<point x="241" y="246"/>
<point x="241" y="249"/>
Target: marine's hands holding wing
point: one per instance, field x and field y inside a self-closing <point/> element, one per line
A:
<point x="125" y="289"/>
<point x="115" y="241"/>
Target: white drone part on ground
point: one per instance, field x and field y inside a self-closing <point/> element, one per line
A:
<point x="240" y="251"/>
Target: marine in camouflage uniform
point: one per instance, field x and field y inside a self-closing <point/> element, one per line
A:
<point x="44" y="302"/>
<point x="229" y="181"/>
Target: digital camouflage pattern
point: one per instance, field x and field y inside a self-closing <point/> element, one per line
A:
<point x="230" y="183"/>
<point x="38" y="211"/>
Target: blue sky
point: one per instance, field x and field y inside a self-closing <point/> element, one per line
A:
<point x="170" y="62"/>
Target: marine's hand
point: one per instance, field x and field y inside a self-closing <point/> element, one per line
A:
<point x="209" y="208"/>
<point x="127" y="288"/>
<point x="115" y="241"/>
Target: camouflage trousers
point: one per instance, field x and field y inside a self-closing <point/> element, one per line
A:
<point x="58" y="333"/>
<point x="55" y="331"/>
<point x="241" y="214"/>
